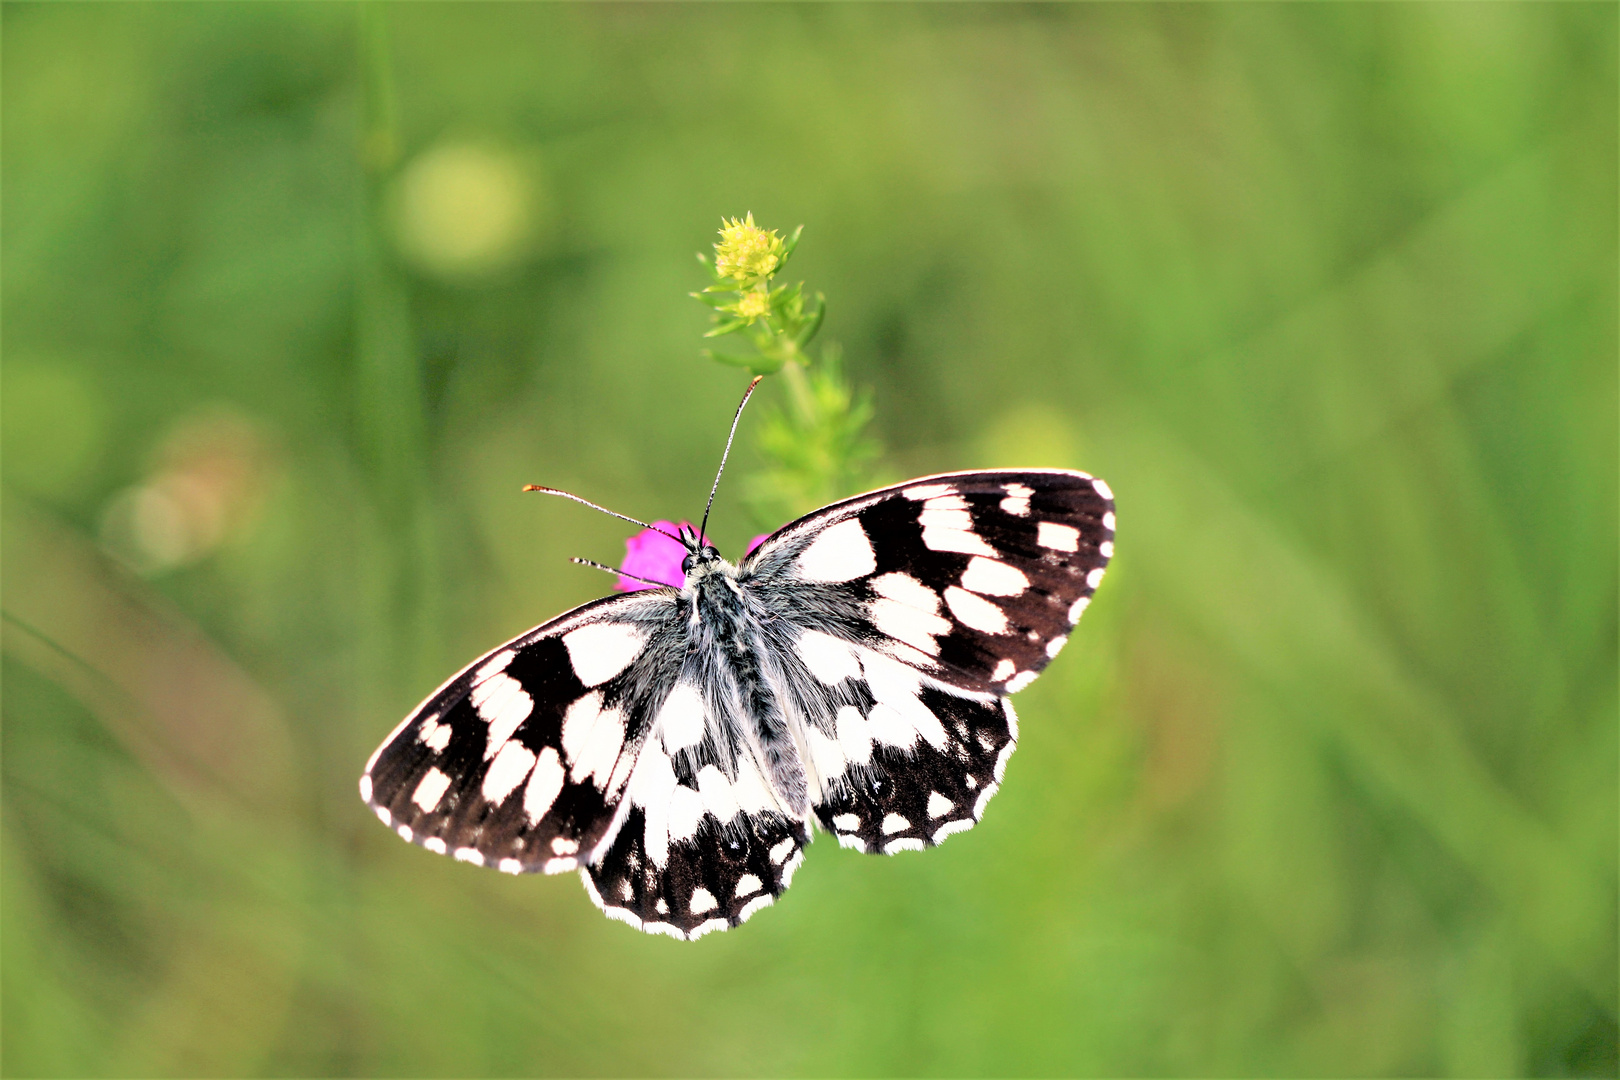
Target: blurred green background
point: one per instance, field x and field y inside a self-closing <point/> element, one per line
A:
<point x="296" y="297"/>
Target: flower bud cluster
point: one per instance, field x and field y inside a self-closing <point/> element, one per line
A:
<point x="775" y="320"/>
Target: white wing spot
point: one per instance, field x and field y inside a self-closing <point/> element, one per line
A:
<point x="651" y="786"/>
<point x="599" y="651"/>
<point x="1078" y="608"/>
<point x="598" y="756"/>
<point x="405" y="833"/>
<point x="1106" y="548"/>
<point x="1094" y="578"/>
<point x="494" y="665"/>
<point x="899" y="717"/>
<point x="469" y="855"/>
<point x="706" y="928"/>
<point x="718" y="798"/>
<point x="544" y="784"/>
<point x="509" y="866"/>
<point x="753" y="795"/>
<point x="939" y="805"/>
<point x="562" y="866"/>
<point x="903" y="843"/>
<point x="991" y="578"/>
<point x="1021" y="680"/>
<point x="893" y="823"/>
<point x="685" y="811"/>
<point x="1049" y="534"/>
<point x="825" y="753"/>
<point x="1108" y="521"/>
<point x="959" y="825"/>
<point x="782" y="850"/>
<point x="927" y="491"/>
<point x="748" y="885"/>
<point x="384" y="816"/>
<point x="431" y="790"/>
<point x="1017" y="501"/>
<point x="503" y="704"/>
<point x="975" y="611"/>
<point x="905" y="589"/>
<point x="434" y="735"/>
<point x="854" y="739"/>
<point x="1005" y="669"/>
<point x="829" y="660"/>
<point x="972" y="781"/>
<point x="662" y="907"/>
<point x="1056" y="644"/>
<point x="940" y="514"/>
<point x="937" y="536"/>
<point x="365" y="787"/>
<point x="754" y="905"/>
<point x="434" y="844"/>
<point x="681" y="717"/>
<point x="901" y="621"/>
<point x="702" y="901"/>
<point x="841" y="553"/>
<point x="627" y="891"/>
<point x="890" y="728"/>
<point x="562" y="845"/>
<point x="1103" y="490"/>
<point x="847" y="822"/>
<point x="509" y="769"/>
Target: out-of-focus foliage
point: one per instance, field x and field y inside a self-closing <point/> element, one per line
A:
<point x="297" y="297"/>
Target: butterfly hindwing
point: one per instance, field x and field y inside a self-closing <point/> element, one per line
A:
<point x="921" y="765"/>
<point x="519" y="761"/>
<point x="975" y="578"/>
<point x="702" y="840"/>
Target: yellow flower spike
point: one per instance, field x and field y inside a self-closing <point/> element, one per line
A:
<point x="753" y="304"/>
<point x="745" y="250"/>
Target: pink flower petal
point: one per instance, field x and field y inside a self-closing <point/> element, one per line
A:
<point x="656" y="557"/>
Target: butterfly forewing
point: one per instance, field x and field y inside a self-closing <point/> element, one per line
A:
<point x="976" y="578"/>
<point x="519" y="761"/>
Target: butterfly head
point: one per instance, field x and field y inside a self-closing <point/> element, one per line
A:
<point x="700" y="555"/>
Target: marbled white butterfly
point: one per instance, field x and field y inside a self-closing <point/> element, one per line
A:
<point x="674" y="745"/>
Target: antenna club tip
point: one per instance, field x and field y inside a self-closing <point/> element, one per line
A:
<point x="532" y="487"/>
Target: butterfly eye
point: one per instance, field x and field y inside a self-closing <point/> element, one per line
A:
<point x="686" y="564"/>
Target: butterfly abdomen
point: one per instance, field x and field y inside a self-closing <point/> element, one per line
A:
<point x="728" y="627"/>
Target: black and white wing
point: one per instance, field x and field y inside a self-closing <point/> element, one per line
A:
<point x="520" y="761"/>
<point x="702" y="841"/>
<point x="587" y="744"/>
<point x="915" y="610"/>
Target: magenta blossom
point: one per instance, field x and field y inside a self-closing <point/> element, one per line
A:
<point x="654" y="556"/>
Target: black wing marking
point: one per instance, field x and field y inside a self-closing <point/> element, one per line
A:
<point x="701" y="841"/>
<point x="976" y="578"/>
<point x="519" y="761"/>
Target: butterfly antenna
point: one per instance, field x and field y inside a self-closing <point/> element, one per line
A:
<point x="605" y="510"/>
<point x="621" y="573"/>
<point x="703" y="529"/>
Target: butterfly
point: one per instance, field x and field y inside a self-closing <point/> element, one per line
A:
<point x="675" y="745"/>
